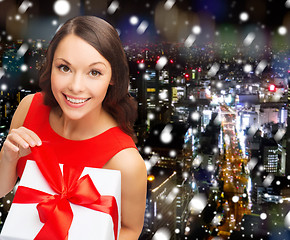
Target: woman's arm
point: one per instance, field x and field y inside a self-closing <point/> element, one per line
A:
<point x="134" y="187"/>
<point x="16" y="145"/>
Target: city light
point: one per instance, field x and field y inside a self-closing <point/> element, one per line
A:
<point x="212" y="100"/>
<point x="151" y="178"/>
<point x="272" y="88"/>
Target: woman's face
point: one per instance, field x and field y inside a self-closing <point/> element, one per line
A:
<point x="80" y="77"/>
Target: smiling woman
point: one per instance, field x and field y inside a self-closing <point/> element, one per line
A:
<point x="84" y="115"/>
<point x="79" y="79"/>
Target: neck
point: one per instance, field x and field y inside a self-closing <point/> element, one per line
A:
<point x="84" y="128"/>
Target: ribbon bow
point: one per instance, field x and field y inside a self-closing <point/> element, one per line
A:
<point x="55" y="210"/>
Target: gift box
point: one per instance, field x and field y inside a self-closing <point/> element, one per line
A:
<point x="89" y="220"/>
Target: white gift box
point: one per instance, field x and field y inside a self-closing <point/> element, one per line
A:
<point x="22" y="222"/>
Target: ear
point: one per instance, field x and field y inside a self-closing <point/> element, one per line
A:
<point x="112" y="82"/>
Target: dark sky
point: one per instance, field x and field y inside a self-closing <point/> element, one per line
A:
<point x="172" y="24"/>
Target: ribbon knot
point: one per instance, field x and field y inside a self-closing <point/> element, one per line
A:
<point x="55" y="210"/>
<point x="64" y="195"/>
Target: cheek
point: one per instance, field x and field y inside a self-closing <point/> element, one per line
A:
<point x="56" y="81"/>
<point x="56" y="84"/>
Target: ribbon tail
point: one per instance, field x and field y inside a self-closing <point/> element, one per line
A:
<point x="58" y="224"/>
<point x="49" y="167"/>
<point x="29" y="195"/>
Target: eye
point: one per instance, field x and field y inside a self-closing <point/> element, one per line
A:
<point x="95" y="73"/>
<point x="63" y="68"/>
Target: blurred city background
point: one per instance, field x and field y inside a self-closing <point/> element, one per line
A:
<point x="211" y="78"/>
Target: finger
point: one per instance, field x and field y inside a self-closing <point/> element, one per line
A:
<point x="32" y="136"/>
<point x="17" y="140"/>
<point x="10" y="146"/>
<point x="24" y="152"/>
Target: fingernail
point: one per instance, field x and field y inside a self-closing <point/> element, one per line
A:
<point x="39" y="143"/>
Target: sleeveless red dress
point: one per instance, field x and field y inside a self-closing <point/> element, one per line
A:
<point x="92" y="152"/>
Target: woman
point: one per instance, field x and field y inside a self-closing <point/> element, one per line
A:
<point x="84" y="113"/>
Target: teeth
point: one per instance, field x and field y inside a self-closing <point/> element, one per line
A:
<point x="76" y="101"/>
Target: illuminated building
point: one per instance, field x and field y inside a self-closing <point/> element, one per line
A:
<point x="173" y="156"/>
<point x="160" y="203"/>
<point x="270" y="156"/>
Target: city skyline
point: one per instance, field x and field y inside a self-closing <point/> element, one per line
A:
<point x="212" y="85"/>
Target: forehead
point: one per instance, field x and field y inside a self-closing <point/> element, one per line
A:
<point x="76" y="49"/>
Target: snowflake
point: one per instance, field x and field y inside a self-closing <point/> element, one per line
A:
<point x="189" y="40"/>
<point x="113" y="7"/>
<point x="247" y="68"/>
<point x="197" y="204"/>
<point x="249" y="39"/>
<point x="172" y="153"/>
<point x="244" y="16"/>
<point x="213" y="70"/>
<point x="22" y="50"/>
<point x="195" y="116"/>
<point x="282" y="30"/>
<point x="162" y="234"/>
<point x="134" y="20"/>
<point x="142" y="27"/>
<point x="151" y="116"/>
<point x="172" y="195"/>
<point x="169" y="4"/>
<point x="166" y="136"/>
<point x="268" y="180"/>
<point x="161" y="62"/>
<point x="235" y="199"/>
<point x="24" y="6"/>
<point x="252" y="163"/>
<point x="196" y="29"/>
<point x="23" y="67"/>
<point x="61" y="7"/>
<point x="4" y="87"/>
<point x="147" y="150"/>
<point x="1" y="73"/>
<point x="261" y="67"/>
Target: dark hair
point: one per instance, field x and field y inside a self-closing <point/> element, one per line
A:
<point x="104" y="38"/>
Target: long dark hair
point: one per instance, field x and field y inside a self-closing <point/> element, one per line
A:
<point x="104" y="38"/>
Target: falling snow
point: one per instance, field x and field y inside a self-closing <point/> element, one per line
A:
<point x="61" y="7"/>
<point x="249" y="39"/>
<point x="244" y="16"/>
<point x="248" y="48"/>
<point x="169" y="4"/>
<point x="24" y="6"/>
<point x="166" y="136"/>
<point x="162" y="234"/>
<point x="197" y="204"/>
<point x="113" y="7"/>
<point x="189" y="40"/>
<point x="134" y="20"/>
<point x="162" y="61"/>
<point x="142" y="27"/>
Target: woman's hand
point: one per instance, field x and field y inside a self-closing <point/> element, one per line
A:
<point x="18" y="144"/>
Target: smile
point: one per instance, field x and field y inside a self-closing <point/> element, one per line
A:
<point x="76" y="100"/>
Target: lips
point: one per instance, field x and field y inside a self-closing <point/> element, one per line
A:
<point x="76" y="101"/>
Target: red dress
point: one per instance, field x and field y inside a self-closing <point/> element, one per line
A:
<point x="92" y="152"/>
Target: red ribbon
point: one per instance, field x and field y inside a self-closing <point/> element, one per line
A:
<point x="55" y="210"/>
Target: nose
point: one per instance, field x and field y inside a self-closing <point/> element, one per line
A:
<point x="76" y="84"/>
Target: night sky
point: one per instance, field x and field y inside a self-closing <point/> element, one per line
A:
<point x="170" y="20"/>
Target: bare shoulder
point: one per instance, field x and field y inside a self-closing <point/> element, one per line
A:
<point x="129" y="162"/>
<point x="21" y="111"/>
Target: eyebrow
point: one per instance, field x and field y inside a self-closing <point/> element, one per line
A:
<point x="68" y="63"/>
